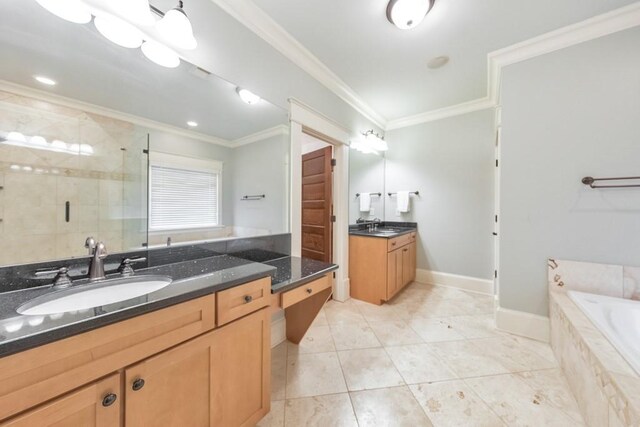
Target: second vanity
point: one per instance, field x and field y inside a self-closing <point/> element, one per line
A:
<point x="382" y="260"/>
<point x="196" y="352"/>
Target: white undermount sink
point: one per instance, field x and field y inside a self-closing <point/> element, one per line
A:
<point x="82" y="297"/>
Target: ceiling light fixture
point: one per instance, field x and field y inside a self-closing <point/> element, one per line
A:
<point x="192" y="124"/>
<point x="248" y="96"/>
<point x="406" y="14"/>
<point x="118" y="31"/>
<point x="160" y="54"/>
<point x="45" y="80"/>
<point x="176" y="28"/>
<point x="69" y="10"/>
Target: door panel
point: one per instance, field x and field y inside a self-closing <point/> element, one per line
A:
<point x="176" y="388"/>
<point x="85" y="407"/>
<point x="317" y="205"/>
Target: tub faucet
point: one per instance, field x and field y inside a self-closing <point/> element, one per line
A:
<point x="96" y="268"/>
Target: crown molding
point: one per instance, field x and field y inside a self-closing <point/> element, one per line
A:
<point x="258" y="21"/>
<point x="441" y="113"/>
<point x="598" y="26"/>
<point x="592" y="28"/>
<point x="261" y="136"/>
<point x="107" y="112"/>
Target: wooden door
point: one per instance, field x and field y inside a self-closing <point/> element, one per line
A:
<point x="241" y="368"/>
<point x="95" y="405"/>
<point x="317" y="207"/>
<point x="172" y="388"/>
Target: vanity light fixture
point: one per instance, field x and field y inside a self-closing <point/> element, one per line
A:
<point x="192" y="124"/>
<point x="176" y="28"/>
<point x="160" y="54"/>
<point x="40" y="143"/>
<point x="370" y="142"/>
<point x="118" y="31"/>
<point x="45" y="80"/>
<point x="70" y="10"/>
<point x="406" y="14"/>
<point x="248" y="96"/>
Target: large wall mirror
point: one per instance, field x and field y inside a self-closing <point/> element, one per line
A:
<point x="108" y="151"/>
<point x="366" y="176"/>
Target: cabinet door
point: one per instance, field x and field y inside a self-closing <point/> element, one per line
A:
<point x="172" y="388"/>
<point x="97" y="404"/>
<point x="241" y="367"/>
<point x="408" y="263"/>
<point x="394" y="272"/>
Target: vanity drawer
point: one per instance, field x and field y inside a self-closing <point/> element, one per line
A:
<point x="244" y="299"/>
<point x="305" y="291"/>
<point x="398" y="242"/>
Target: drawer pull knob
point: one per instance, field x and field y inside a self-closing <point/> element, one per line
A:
<point x="405" y="250"/>
<point x="248" y="299"/>
<point x="137" y="384"/>
<point x="393" y="243"/>
<point x="309" y="290"/>
<point x="109" y="399"/>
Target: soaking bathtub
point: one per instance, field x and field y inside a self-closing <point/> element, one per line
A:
<point x="618" y="319"/>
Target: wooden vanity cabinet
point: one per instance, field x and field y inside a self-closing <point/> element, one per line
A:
<point x="95" y="405"/>
<point x="380" y="268"/>
<point x="171" y="367"/>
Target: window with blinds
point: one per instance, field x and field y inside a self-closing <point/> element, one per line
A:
<point x="183" y="193"/>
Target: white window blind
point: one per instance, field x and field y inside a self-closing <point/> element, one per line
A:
<point x="183" y="193"/>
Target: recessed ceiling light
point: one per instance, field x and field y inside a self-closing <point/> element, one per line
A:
<point x="437" y="62"/>
<point x="192" y="124"/>
<point x="248" y="96"/>
<point x="406" y="14"/>
<point x="45" y="80"/>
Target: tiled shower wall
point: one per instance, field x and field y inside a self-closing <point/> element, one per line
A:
<point x="106" y="190"/>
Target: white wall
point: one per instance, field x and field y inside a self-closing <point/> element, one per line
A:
<point x="566" y="115"/>
<point x="261" y="168"/>
<point x="450" y="162"/>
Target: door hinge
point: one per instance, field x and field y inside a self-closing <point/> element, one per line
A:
<point x="496" y="162"/>
<point x="333" y="218"/>
<point x="144" y="245"/>
<point x="496" y="218"/>
<point x="333" y="162"/>
<point x="145" y="151"/>
<point x="495" y="274"/>
<point x="334" y="274"/>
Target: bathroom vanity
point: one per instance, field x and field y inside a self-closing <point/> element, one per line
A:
<point x="196" y="352"/>
<point x="382" y="260"/>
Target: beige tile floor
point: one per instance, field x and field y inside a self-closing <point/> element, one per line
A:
<point x="430" y="357"/>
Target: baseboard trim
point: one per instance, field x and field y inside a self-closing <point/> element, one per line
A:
<point x="524" y="324"/>
<point x="466" y="283"/>
<point x="278" y="331"/>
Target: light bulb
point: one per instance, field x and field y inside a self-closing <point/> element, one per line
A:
<point x="118" y="31"/>
<point x="16" y="137"/>
<point x="45" y="80"/>
<point x="70" y="10"/>
<point x="406" y="14"/>
<point x="38" y="141"/>
<point x="160" y="54"/>
<point x="176" y="28"/>
<point x="248" y="96"/>
<point x="58" y="145"/>
<point x="86" y="150"/>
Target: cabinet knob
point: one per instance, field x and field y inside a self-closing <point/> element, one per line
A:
<point x="137" y="384"/>
<point x="109" y="399"/>
<point x="405" y="250"/>
<point x="248" y="299"/>
<point x="309" y="290"/>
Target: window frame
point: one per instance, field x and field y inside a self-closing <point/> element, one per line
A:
<point x="191" y="164"/>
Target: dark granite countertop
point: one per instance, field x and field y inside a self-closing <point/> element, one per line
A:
<point x="191" y="279"/>
<point x="398" y="231"/>
<point x="292" y="272"/>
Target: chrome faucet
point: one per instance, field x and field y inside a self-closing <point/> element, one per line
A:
<point x="90" y="244"/>
<point x="96" y="268"/>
